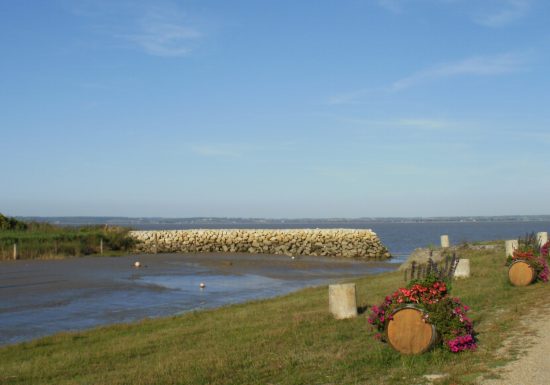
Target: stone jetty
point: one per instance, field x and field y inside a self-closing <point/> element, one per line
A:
<point x="343" y="243"/>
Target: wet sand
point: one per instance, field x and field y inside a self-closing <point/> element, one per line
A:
<point x="42" y="297"/>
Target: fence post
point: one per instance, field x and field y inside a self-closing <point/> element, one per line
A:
<point x="444" y="241"/>
<point x="342" y="301"/>
<point x="15" y="251"/>
<point x="101" y="246"/>
<point x="542" y="238"/>
<point x="510" y="245"/>
<point x="462" y="269"/>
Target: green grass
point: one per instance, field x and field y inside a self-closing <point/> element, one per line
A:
<point x="42" y="241"/>
<point x="287" y="340"/>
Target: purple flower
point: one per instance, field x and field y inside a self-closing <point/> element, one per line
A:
<point x="461" y="343"/>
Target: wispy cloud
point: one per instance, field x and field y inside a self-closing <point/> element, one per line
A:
<point x="490" y="65"/>
<point x="155" y="28"/>
<point x="490" y="13"/>
<point x="230" y="150"/>
<point x="476" y="66"/>
<point x="427" y="124"/>
<point x="353" y="97"/>
<point x="508" y="12"/>
<point x="422" y="123"/>
<point x="163" y="34"/>
<point x="394" y="6"/>
<point x="237" y="150"/>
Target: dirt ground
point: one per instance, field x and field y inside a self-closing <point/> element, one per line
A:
<point x="532" y="366"/>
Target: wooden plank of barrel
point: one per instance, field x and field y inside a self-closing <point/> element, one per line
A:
<point x="408" y="333"/>
<point x="521" y="273"/>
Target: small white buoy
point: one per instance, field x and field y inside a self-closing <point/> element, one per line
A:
<point x="137" y="264"/>
<point x="202" y="285"/>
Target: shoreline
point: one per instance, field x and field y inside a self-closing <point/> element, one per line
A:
<point x="101" y="291"/>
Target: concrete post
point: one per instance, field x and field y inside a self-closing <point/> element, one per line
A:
<point x="542" y="237"/>
<point x="101" y="246"/>
<point x="444" y="241"/>
<point x="510" y="246"/>
<point x="342" y="300"/>
<point x="462" y="269"/>
<point x="15" y="251"/>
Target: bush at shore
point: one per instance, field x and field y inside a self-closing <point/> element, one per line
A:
<point x="44" y="240"/>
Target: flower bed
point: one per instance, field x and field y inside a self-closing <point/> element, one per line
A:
<point x="538" y="263"/>
<point x="535" y="256"/>
<point x="431" y="296"/>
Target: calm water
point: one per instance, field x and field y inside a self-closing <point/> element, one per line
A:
<point x="39" y="298"/>
<point x="403" y="238"/>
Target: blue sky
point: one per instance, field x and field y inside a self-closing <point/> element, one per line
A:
<point x="275" y="108"/>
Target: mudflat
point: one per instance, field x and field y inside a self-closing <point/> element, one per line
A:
<point x="42" y="297"/>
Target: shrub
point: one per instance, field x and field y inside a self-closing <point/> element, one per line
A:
<point x="431" y="295"/>
<point x="535" y="255"/>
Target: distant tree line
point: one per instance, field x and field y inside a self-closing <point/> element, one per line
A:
<point x="46" y="240"/>
<point x="9" y="223"/>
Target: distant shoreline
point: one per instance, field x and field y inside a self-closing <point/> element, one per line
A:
<point x="198" y="222"/>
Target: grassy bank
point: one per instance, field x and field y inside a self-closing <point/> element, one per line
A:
<point x="42" y="240"/>
<point x="287" y="340"/>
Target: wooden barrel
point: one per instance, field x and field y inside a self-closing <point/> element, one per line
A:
<point x="521" y="273"/>
<point x="408" y="333"/>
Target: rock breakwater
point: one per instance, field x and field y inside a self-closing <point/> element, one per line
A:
<point x="346" y="243"/>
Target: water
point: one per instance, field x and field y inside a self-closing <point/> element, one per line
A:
<point x="39" y="298"/>
<point x="403" y="238"/>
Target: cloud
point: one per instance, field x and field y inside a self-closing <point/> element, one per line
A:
<point x="490" y="13"/>
<point x="219" y="150"/>
<point x="510" y="11"/>
<point x="476" y="66"/>
<point x="473" y="66"/>
<point x="394" y="6"/>
<point x="237" y="150"/>
<point x="165" y="39"/>
<point x="353" y="97"/>
<point x="155" y="28"/>
<point x="427" y="124"/>
<point x="163" y="32"/>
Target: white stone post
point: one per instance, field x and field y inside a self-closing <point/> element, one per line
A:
<point x="15" y="251"/>
<point x="444" y="241"/>
<point x="542" y="237"/>
<point x="101" y="246"/>
<point x="462" y="269"/>
<point x="342" y="300"/>
<point x="510" y="245"/>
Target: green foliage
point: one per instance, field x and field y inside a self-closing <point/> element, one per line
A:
<point x="8" y="223"/>
<point x="431" y="270"/>
<point x="428" y="281"/>
<point x="43" y="240"/>
<point x="529" y="243"/>
<point x="447" y="325"/>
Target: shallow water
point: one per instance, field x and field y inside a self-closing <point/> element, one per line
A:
<point x="39" y="298"/>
